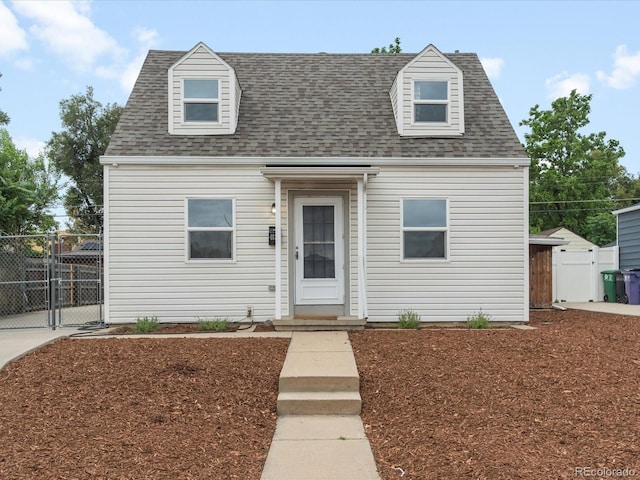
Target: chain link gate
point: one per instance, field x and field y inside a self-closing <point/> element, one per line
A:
<point x="51" y="281"/>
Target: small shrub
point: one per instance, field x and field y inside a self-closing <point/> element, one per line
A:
<point x="478" y="320"/>
<point x="408" y="319"/>
<point x="147" y="324"/>
<point x="215" y="325"/>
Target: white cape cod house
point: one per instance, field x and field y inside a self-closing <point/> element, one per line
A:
<point x="315" y="186"/>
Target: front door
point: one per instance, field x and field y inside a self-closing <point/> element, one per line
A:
<point x="319" y="251"/>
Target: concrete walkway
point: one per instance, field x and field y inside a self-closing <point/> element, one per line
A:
<point x="603" y="307"/>
<point x="17" y="343"/>
<point x="319" y="434"/>
<point x="320" y="447"/>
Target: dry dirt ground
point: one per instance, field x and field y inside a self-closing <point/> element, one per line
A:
<point x="505" y="404"/>
<point x="437" y="404"/>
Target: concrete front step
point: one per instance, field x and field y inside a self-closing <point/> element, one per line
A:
<point x="315" y="323"/>
<point x="319" y="403"/>
<point x="319" y="372"/>
<point x="319" y="376"/>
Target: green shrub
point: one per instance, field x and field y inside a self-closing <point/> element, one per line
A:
<point x="147" y="324"/>
<point x="478" y="320"/>
<point x="408" y="319"/>
<point x="215" y="324"/>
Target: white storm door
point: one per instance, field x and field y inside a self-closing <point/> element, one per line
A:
<point x="319" y="251"/>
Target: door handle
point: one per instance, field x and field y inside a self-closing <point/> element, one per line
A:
<point x="296" y="253"/>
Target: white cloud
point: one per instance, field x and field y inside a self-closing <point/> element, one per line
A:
<point x="562" y="84"/>
<point x="147" y="40"/>
<point x="147" y="37"/>
<point x="626" y="69"/>
<point x="31" y="145"/>
<point x="130" y="73"/>
<point x="12" y="37"/>
<point x="66" y="29"/>
<point x="26" y="64"/>
<point x="493" y="67"/>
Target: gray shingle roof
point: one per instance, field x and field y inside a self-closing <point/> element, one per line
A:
<point x="313" y="105"/>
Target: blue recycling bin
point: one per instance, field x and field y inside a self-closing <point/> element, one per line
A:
<point x="632" y="285"/>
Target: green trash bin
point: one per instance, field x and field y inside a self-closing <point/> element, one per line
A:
<point x="609" y="280"/>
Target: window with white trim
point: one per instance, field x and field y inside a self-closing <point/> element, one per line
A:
<point x="425" y="226"/>
<point x="210" y="228"/>
<point x="430" y="101"/>
<point x="201" y="100"/>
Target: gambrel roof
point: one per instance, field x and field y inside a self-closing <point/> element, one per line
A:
<point x="313" y="105"/>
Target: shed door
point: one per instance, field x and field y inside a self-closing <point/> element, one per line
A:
<point x="319" y="251"/>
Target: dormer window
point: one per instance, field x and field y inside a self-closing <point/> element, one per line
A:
<point x="204" y="94"/>
<point x="430" y="101"/>
<point x="428" y="96"/>
<point x="201" y="99"/>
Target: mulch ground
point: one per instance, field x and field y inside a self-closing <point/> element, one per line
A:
<point x="496" y="404"/>
<point x="505" y="404"/>
<point x="140" y="409"/>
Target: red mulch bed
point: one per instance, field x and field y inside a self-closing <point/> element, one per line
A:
<point x="178" y="328"/>
<point x="497" y="404"/>
<point x="140" y="408"/>
<point x="504" y="404"/>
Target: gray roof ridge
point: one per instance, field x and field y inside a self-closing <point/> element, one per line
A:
<point x="332" y="54"/>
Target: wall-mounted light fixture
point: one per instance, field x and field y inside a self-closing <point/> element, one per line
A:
<point x="273" y="208"/>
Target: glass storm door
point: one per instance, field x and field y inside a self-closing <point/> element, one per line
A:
<point x="319" y="251"/>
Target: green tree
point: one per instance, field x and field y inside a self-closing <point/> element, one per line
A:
<point x="75" y="151"/>
<point x="627" y="189"/>
<point x="28" y="189"/>
<point x="601" y="228"/>
<point x="4" y="118"/>
<point x="573" y="176"/>
<point x="393" y="48"/>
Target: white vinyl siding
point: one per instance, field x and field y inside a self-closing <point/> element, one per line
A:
<point x="576" y="242"/>
<point x="202" y="64"/>
<point x="148" y="274"/>
<point x="487" y="245"/>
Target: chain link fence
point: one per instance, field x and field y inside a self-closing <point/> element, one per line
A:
<point x="51" y="280"/>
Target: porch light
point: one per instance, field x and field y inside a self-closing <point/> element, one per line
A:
<point x="273" y="208"/>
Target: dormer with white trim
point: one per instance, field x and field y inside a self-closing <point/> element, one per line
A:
<point x="204" y="94"/>
<point x="427" y="97"/>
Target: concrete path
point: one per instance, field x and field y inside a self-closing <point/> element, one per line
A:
<point x="17" y="343"/>
<point x="604" y="307"/>
<point x="319" y="434"/>
<point x="320" y="447"/>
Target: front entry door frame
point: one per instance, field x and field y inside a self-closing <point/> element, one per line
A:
<point x="304" y="302"/>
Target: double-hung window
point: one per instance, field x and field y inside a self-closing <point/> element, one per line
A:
<point x="425" y="227"/>
<point x="210" y="228"/>
<point x="430" y="101"/>
<point x="201" y="99"/>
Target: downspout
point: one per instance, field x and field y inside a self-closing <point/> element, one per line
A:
<point x="278" y="246"/>
<point x="365" y="303"/>
<point x="363" y="309"/>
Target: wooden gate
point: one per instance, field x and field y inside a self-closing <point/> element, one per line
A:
<point x="540" y="276"/>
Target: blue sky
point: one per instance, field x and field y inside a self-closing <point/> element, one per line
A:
<point x="532" y="51"/>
